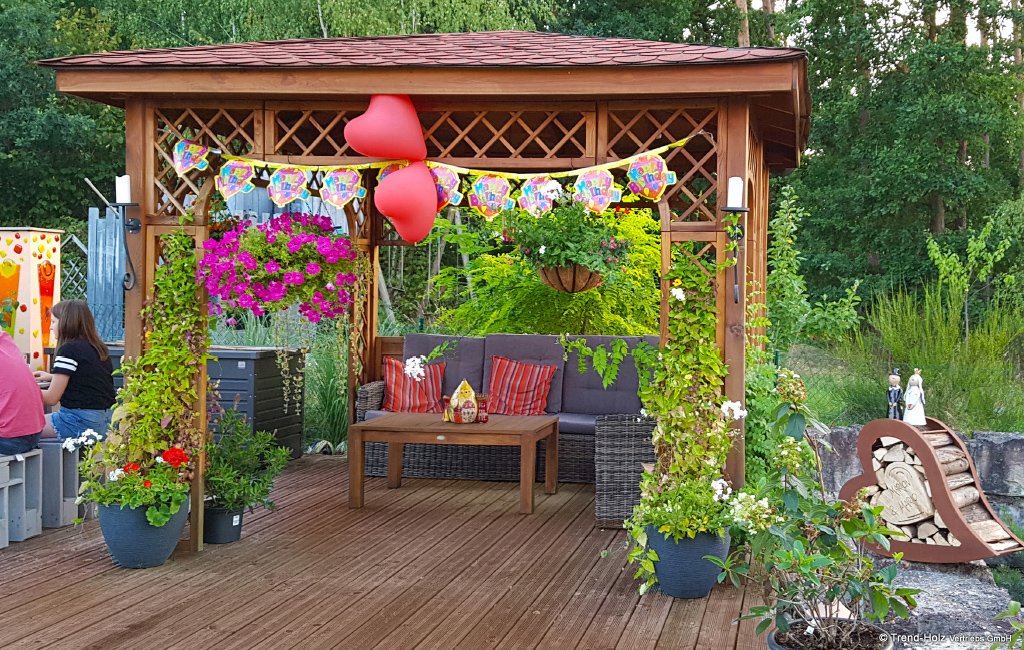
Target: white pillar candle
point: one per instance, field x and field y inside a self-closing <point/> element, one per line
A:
<point x="123" y="189"/>
<point x="735" y="196"/>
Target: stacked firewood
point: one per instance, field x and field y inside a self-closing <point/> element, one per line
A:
<point x="905" y="490"/>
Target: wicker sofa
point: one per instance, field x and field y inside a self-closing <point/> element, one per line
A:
<point x="577" y="398"/>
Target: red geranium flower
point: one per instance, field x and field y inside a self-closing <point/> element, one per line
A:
<point x="175" y="457"/>
<point x="147" y="483"/>
<point x="130" y="467"/>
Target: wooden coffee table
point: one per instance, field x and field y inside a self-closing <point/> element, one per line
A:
<point x="397" y="429"/>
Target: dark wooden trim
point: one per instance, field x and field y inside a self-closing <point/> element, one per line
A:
<point x="113" y="85"/>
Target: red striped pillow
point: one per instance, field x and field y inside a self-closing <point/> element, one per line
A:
<point x="518" y="388"/>
<point x="403" y="394"/>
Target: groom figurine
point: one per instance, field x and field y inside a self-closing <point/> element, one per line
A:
<point x="895" y="396"/>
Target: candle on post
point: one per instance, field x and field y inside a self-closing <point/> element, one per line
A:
<point x="734" y="199"/>
<point x="123" y="189"/>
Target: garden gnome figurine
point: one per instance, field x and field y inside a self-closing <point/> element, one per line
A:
<point x="895" y="396"/>
<point x="915" y="400"/>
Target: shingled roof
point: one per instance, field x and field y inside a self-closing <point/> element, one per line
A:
<point x="479" y="49"/>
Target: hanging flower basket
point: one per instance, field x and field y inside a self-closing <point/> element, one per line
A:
<point x="570" y="279"/>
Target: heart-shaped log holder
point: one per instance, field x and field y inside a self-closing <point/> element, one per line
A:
<point x="926" y="481"/>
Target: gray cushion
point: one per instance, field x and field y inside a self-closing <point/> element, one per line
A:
<point x="374" y="414"/>
<point x="577" y="423"/>
<point x="464" y="359"/>
<point x="530" y="348"/>
<point x="584" y="393"/>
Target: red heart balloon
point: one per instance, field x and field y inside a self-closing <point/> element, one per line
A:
<point x="390" y="128"/>
<point x="408" y="198"/>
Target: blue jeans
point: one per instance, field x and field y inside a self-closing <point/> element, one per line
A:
<point x="72" y="423"/>
<point x="19" y="445"/>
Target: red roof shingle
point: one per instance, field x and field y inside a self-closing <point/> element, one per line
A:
<point x="483" y="49"/>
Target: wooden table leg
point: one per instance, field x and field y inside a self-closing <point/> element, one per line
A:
<point x="527" y="475"/>
<point x="396" y="450"/>
<point x="551" y="462"/>
<point x="356" y="452"/>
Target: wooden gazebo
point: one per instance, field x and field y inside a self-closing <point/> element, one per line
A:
<point x="516" y="101"/>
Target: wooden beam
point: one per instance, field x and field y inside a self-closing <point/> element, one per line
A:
<point x="113" y="85"/>
<point x="138" y="141"/>
<point x="734" y="146"/>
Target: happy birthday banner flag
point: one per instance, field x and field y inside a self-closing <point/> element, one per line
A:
<point x="491" y="192"/>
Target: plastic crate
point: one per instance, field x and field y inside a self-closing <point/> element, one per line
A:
<point x="24" y="495"/>
<point x="60" y="484"/>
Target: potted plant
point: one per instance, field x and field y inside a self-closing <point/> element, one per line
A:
<point x="140" y="474"/>
<point x="684" y="509"/>
<point x="572" y="248"/>
<point x="240" y="471"/>
<point x="821" y="590"/>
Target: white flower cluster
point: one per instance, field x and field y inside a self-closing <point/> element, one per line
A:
<point x="540" y="251"/>
<point x="115" y="474"/>
<point x="722" y="489"/>
<point x="733" y="410"/>
<point x="552" y="190"/>
<point x="757" y="515"/>
<point x="678" y="294"/>
<point x="414" y="367"/>
<point x="789" y="454"/>
<point x="87" y="439"/>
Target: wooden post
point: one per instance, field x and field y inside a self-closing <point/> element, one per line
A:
<point x="732" y="161"/>
<point x="138" y="141"/>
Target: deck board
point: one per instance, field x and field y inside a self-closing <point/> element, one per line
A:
<point x="434" y="564"/>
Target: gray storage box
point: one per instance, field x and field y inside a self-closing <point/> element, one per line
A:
<point x="250" y="381"/>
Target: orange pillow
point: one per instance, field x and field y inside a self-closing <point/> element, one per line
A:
<point x="403" y="394"/>
<point x="518" y="388"/>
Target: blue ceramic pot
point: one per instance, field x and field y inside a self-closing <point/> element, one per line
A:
<point x="134" y="543"/>
<point x="681" y="568"/>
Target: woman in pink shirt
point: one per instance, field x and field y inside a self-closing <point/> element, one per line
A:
<point x="21" y="402"/>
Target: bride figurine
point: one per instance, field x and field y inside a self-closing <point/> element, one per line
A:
<point x="914" y="398"/>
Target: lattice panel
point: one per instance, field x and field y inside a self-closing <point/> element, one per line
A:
<point x="634" y="130"/>
<point x="229" y="129"/>
<point x="535" y="134"/>
<point x="312" y="132"/>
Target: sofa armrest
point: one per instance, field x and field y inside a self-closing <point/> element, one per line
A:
<point x="369" y="397"/>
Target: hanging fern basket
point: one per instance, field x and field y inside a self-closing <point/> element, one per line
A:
<point x="570" y="279"/>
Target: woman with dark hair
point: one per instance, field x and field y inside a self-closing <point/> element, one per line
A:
<point x="81" y="377"/>
<point x="21" y="409"/>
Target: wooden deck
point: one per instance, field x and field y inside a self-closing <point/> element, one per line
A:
<point x="435" y="564"/>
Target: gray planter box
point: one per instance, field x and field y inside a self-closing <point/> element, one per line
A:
<point x="250" y="381"/>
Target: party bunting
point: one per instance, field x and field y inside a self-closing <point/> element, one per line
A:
<point x="341" y="186"/>
<point x="649" y="177"/>
<point x="286" y="185"/>
<point x="595" y="189"/>
<point x="447" y="182"/>
<point x="189" y="155"/>
<point x="390" y="168"/>
<point x="535" y="196"/>
<point x="234" y="177"/>
<point x="490" y="194"/>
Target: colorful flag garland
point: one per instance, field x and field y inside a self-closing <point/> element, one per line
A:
<point x="491" y="192"/>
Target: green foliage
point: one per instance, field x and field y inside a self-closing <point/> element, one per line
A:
<point x="791" y="318"/>
<point x="157" y="402"/>
<point x="159" y="489"/>
<point x="501" y="292"/>
<point x="570" y="234"/>
<point x="1012" y="616"/>
<point x="157" y="405"/>
<point x="808" y="553"/>
<point x="326" y="405"/>
<point x="760" y="403"/>
<point x="1010" y="579"/>
<point x="968" y="382"/>
<point x="242" y="465"/>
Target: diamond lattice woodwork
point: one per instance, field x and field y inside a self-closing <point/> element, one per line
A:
<point x="633" y="130"/>
<point x="311" y="133"/>
<point x="232" y="130"/>
<point x="544" y="135"/>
